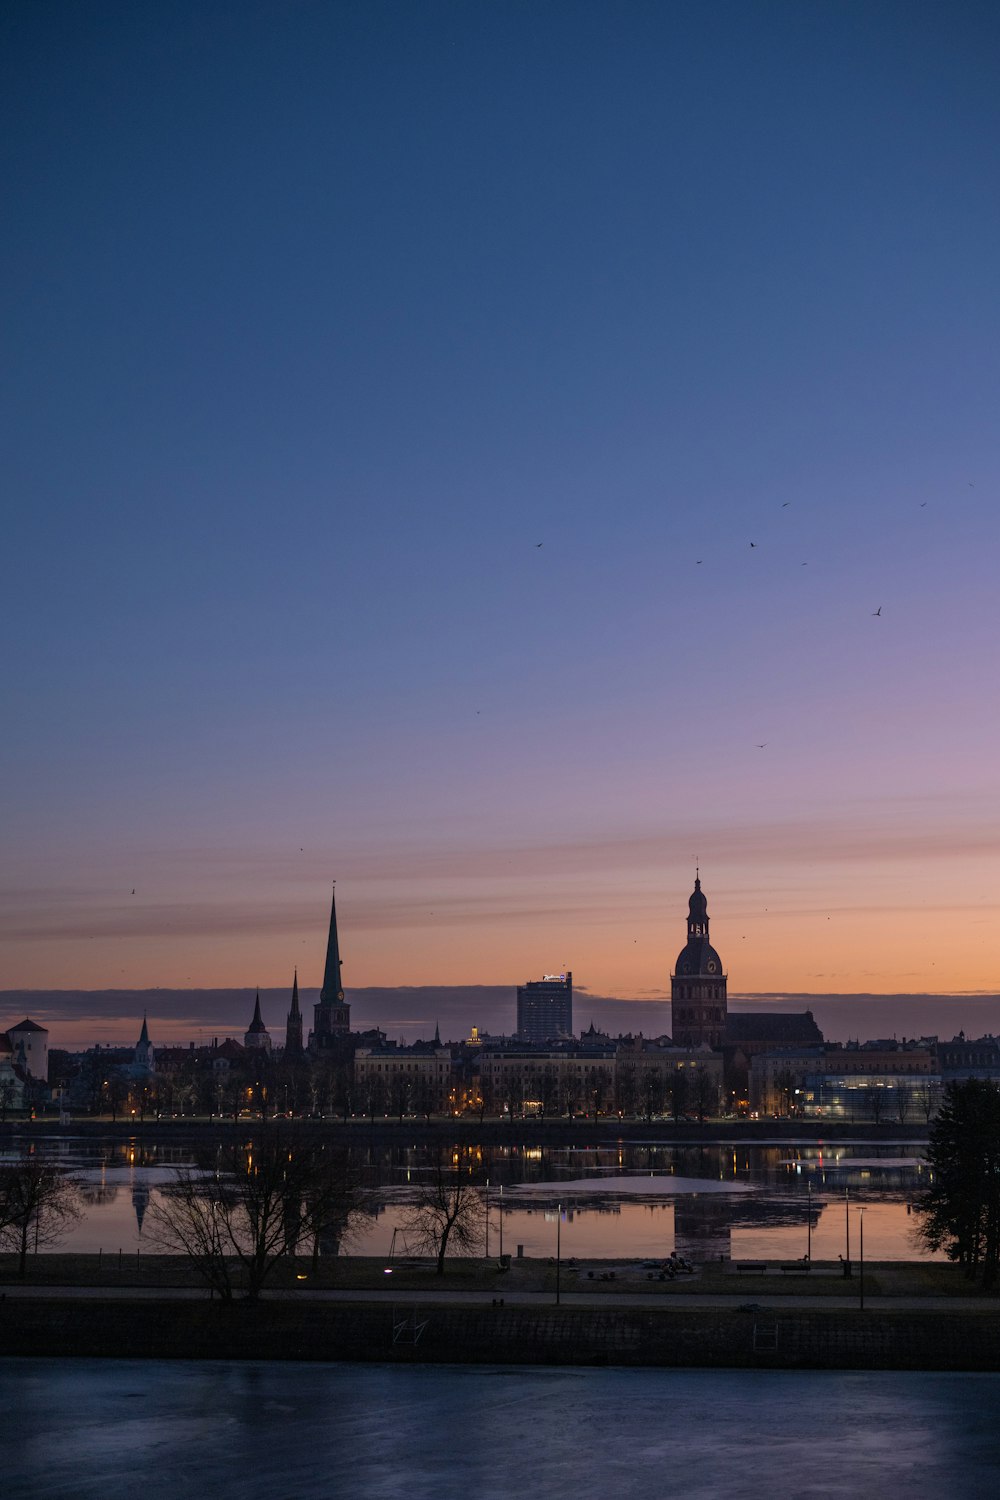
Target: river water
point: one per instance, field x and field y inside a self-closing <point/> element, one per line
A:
<point x="87" y="1430"/>
<point x="631" y="1200"/>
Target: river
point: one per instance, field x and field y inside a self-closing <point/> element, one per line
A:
<point x="87" y="1430"/>
<point x="631" y="1200"/>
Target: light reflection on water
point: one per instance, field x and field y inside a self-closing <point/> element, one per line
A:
<point x="752" y="1202"/>
<point x="89" y="1429"/>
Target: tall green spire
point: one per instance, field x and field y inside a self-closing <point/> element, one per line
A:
<point x="332" y="992"/>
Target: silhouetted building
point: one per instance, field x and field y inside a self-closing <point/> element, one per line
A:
<point x="293" y="1026"/>
<point x="144" y="1060"/>
<point x="257" y="1038"/>
<point x="331" y="1015"/>
<point x="545" y="1008"/>
<point x="30" y="1045"/>
<point x="698" y="985"/>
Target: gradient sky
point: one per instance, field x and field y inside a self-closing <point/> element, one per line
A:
<point x="321" y="317"/>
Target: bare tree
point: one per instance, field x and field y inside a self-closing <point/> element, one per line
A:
<point x="7" y="1094"/>
<point x="875" y="1100"/>
<point x="448" y="1210"/>
<point x="235" y="1224"/>
<point x="38" y="1204"/>
<point x="706" y="1093"/>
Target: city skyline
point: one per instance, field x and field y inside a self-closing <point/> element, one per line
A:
<point x="499" y="457"/>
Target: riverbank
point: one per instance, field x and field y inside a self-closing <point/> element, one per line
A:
<point x="915" y="1317"/>
<point x="432" y="1333"/>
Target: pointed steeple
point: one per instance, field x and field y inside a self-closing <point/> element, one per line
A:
<point x="144" y="1054"/>
<point x="256" y="1035"/>
<point x="332" y="1014"/>
<point x="332" y="992"/>
<point x="437" y="1035"/>
<point x="257" y="1024"/>
<point x="293" y="1028"/>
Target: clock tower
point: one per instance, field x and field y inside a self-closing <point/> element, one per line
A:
<point x="698" y="985"/>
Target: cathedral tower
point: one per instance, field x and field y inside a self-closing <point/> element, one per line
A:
<point x="698" y="985"/>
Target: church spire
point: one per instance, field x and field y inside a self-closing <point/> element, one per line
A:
<point x="332" y="992"/>
<point x="256" y="1035"/>
<point x="332" y="1015"/>
<point x="293" y="1027"/>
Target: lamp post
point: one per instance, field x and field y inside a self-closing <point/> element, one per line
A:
<point x="501" y="1221"/>
<point x="847" y="1231"/>
<point x="861" y="1259"/>
<point x="487" y="1202"/>
<point x="809" y="1227"/>
<point x="558" y="1250"/>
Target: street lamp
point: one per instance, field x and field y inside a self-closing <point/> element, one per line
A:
<point x="809" y="1228"/>
<point x="486" y="1200"/>
<point x="501" y="1223"/>
<point x="861" y="1259"/>
<point x="558" y="1249"/>
<point x="847" y="1231"/>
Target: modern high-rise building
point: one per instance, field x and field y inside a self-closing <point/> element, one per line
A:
<point x="545" y="1008"/>
<point x="698" y="985"/>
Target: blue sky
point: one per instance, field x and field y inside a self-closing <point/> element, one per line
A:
<point x="321" y="317"/>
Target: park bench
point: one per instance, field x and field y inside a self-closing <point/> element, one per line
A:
<point x="751" y="1265"/>
<point x="797" y="1268"/>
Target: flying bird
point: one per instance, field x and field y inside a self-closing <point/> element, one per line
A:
<point x="133" y="890"/>
<point x="784" y="503"/>
<point x="753" y="544"/>
<point x="539" y="544"/>
<point x="764" y="746"/>
<point x="876" y="612"/>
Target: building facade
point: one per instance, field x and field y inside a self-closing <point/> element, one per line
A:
<point x="30" y="1044"/>
<point x="390" y="1079"/>
<point x="545" y="1009"/>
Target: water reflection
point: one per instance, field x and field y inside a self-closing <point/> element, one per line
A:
<point x="735" y="1201"/>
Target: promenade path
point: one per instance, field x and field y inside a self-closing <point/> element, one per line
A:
<point x="800" y="1301"/>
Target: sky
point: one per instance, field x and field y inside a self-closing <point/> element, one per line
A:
<point x="497" y="457"/>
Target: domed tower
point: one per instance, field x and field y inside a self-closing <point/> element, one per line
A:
<point x="698" y="985"/>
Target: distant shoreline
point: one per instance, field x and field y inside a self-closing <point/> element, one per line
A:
<point x="561" y="1132"/>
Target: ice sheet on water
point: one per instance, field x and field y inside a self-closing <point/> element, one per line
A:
<point x="635" y="1186"/>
